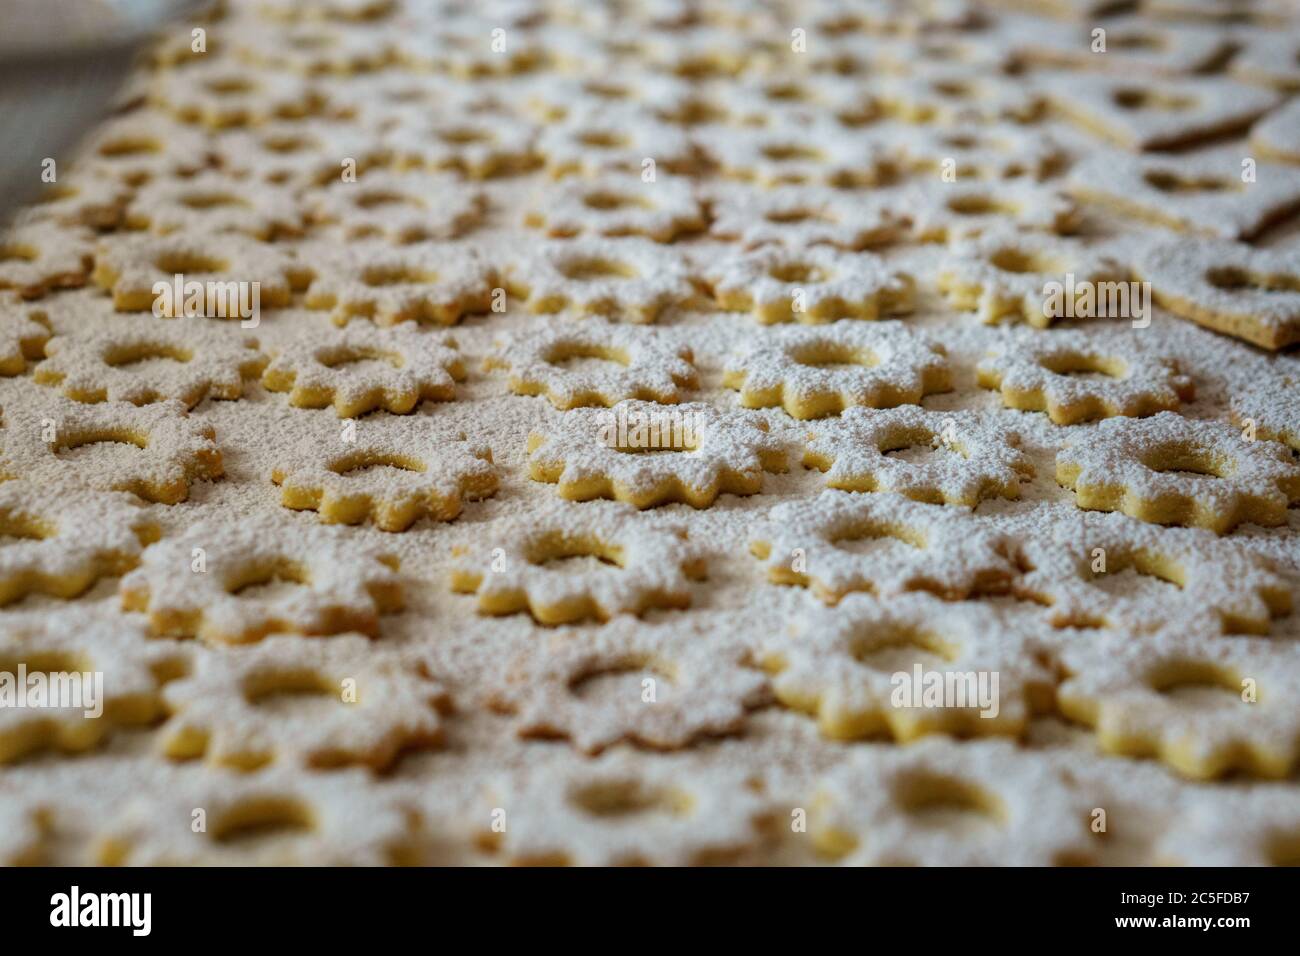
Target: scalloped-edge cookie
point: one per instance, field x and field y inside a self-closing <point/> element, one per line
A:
<point x="993" y="152"/>
<point x="156" y="450"/>
<point x="1202" y="705"/>
<point x="812" y="372"/>
<point x="213" y="202"/>
<point x="120" y="669"/>
<point x="355" y="706"/>
<point x="395" y="472"/>
<point x="434" y="282"/>
<point x="967" y="457"/>
<point x="1004" y="806"/>
<point x="814" y="152"/>
<point x="633" y="566"/>
<point x="130" y="266"/>
<point x="618" y="811"/>
<point x="949" y="212"/>
<point x="592" y="142"/>
<point x="631" y="279"/>
<point x="593" y="363"/>
<point x="217" y="93"/>
<point x="187" y="361"/>
<point x="617" y="205"/>
<point x="38" y="256"/>
<point x="800" y="216"/>
<point x="1202" y="193"/>
<point x="1152" y="113"/>
<point x="885" y="544"/>
<point x="344" y="818"/>
<point x="647" y="454"/>
<point x="1252" y="294"/>
<point x="1173" y="470"/>
<point x="863" y="669"/>
<point x="1075" y="376"/>
<point x="812" y="285"/>
<point x="1212" y="585"/>
<point x="477" y="147"/>
<point x="359" y="369"/>
<point x="67" y="538"/>
<point x="1003" y="275"/>
<point x="312" y="581"/>
<point x="401" y="207"/>
<point x="595" y="690"/>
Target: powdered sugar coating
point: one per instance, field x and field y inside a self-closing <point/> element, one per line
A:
<point x="639" y="565"/>
<point x="803" y="369"/>
<point x="617" y="204"/>
<point x="978" y="457"/>
<point x="399" y="206"/>
<point x="799" y="216"/>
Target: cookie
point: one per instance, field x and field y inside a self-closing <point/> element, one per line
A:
<point x="961" y="458"/>
<point x="617" y="205"/>
<point x="647" y="455"/>
<point x="251" y="579"/>
<point x="359" y="369"/>
<point x="885" y="544"/>
<point x="627" y="566"/>
<point x="393" y="473"/>
<point x="813" y="372"/>
<point x="400" y="207"/>
<point x="38" y="256"/>
<point x="1167" y="469"/>
<point x="594" y="363"/>
<point x="1075" y="377"/>
<point x="813" y="285"/>
<point x="351" y="706"/>
<point x="596" y="691"/>
<point x="1251" y="294"/>
<point x="800" y="216"/>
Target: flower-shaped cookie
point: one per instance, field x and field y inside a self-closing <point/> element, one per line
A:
<point x="219" y="93"/>
<point x="631" y="279"/>
<point x="950" y="212"/>
<point x="153" y="451"/>
<point x="229" y="267"/>
<point x="478" y="147"/>
<point x="97" y="675"/>
<point x="617" y="205"/>
<point x="908" y="668"/>
<point x="813" y="285"/>
<point x="215" y="202"/>
<point x="647" y="454"/>
<point x="939" y="802"/>
<point x="399" y="206"/>
<point x="359" y="369"/>
<point x="66" y="538"/>
<point x="423" y="282"/>
<point x="812" y="372"/>
<point x="1271" y="400"/>
<point x="138" y="360"/>
<point x="632" y="566"/>
<point x="1075" y="376"/>
<point x="593" y="363"/>
<point x="816" y="152"/>
<point x="961" y="458"/>
<point x="1005" y="275"/>
<point x="37" y="256"/>
<point x="631" y="683"/>
<point x="234" y="583"/>
<point x="800" y="216"/>
<point x="595" y="142"/>
<point x="1091" y="575"/>
<point x="279" y="817"/>
<point x="311" y="703"/>
<point x="1252" y="294"/>
<point x="1203" y="705"/>
<point x="1173" y="470"/>
<point x="886" y="544"/>
<point x="397" y="471"/>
